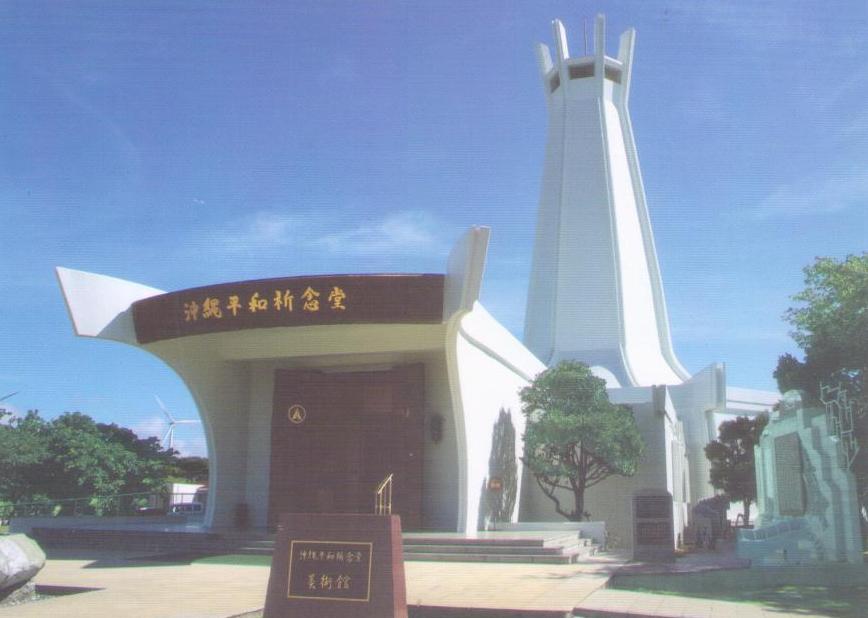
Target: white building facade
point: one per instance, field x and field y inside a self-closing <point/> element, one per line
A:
<point x="307" y="406"/>
<point x="596" y="295"/>
<point x="370" y="375"/>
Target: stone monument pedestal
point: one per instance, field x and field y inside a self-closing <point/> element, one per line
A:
<point x="652" y="526"/>
<point x="336" y="566"/>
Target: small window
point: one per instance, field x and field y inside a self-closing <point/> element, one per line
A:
<point x="554" y="82"/>
<point x="614" y="74"/>
<point x="578" y="71"/>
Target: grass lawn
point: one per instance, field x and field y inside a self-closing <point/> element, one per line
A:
<point x="235" y="559"/>
<point x="838" y="591"/>
<point x="171" y="559"/>
<point x="843" y="601"/>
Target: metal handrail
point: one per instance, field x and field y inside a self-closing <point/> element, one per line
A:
<point x="99" y="505"/>
<point x="383" y="497"/>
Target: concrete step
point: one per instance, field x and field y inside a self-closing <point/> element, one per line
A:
<point x="423" y="611"/>
<point x="441" y="553"/>
<point x="559" y="549"/>
<point x="517" y="541"/>
<point x="475" y="549"/>
<point x="494" y="558"/>
<point x="253" y="543"/>
<point x="251" y="551"/>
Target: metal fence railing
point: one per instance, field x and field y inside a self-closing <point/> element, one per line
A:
<point x="139" y="503"/>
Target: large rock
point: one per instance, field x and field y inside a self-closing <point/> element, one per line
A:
<point x="20" y="560"/>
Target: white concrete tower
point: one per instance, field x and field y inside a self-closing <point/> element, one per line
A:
<point x="595" y="292"/>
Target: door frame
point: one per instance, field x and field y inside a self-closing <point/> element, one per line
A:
<point x="408" y="384"/>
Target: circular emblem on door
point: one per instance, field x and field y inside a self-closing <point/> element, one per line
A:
<point x="296" y="414"/>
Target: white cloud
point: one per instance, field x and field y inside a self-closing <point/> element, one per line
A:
<point x="153" y="426"/>
<point x="723" y="333"/>
<point x="119" y="138"/>
<point x="835" y="192"/>
<point x="402" y="232"/>
<point x="261" y="230"/>
<point x="855" y="126"/>
<point x="188" y="440"/>
<point x="758" y="25"/>
<point x="8" y="413"/>
<point x="194" y="447"/>
<point x="850" y="84"/>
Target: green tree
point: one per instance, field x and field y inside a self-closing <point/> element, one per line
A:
<point x="831" y="327"/>
<point x="732" y="460"/>
<point x="22" y="448"/>
<point x="191" y="469"/>
<point x="575" y="437"/>
<point x="497" y="504"/>
<point x="72" y="456"/>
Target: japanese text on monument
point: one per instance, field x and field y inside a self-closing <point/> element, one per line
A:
<point x="330" y="570"/>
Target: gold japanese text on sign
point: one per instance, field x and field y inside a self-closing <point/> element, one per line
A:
<point x="330" y="570"/>
<point x="290" y="301"/>
<point x="209" y="308"/>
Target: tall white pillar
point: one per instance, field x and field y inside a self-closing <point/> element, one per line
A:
<point x="595" y="292"/>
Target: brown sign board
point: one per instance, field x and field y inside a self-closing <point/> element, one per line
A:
<point x="653" y="507"/>
<point x="495" y="484"/>
<point x="336" y="566"/>
<point x="653" y="533"/>
<point x="290" y="301"/>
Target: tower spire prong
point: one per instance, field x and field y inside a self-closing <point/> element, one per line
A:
<point x="600" y="46"/>
<point x="626" y="45"/>
<point x="600" y="35"/>
<point x="560" y="37"/>
<point x="544" y="60"/>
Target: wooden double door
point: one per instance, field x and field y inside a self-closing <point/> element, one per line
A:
<point x="336" y="436"/>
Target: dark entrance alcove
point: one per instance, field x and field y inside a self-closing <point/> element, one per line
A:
<point x="336" y="436"/>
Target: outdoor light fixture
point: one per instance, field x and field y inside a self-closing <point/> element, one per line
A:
<point x="435" y="428"/>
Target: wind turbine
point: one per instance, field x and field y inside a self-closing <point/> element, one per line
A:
<point x="170" y="433"/>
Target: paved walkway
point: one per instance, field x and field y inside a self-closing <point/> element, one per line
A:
<point x="534" y="587"/>
<point x="608" y="603"/>
<point x="146" y="589"/>
<point x="143" y="590"/>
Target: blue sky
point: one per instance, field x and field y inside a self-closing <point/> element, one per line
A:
<point x="179" y="144"/>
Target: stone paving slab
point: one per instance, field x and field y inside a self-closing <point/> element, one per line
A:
<point x="528" y="587"/>
<point x="611" y="603"/>
<point x="188" y="591"/>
